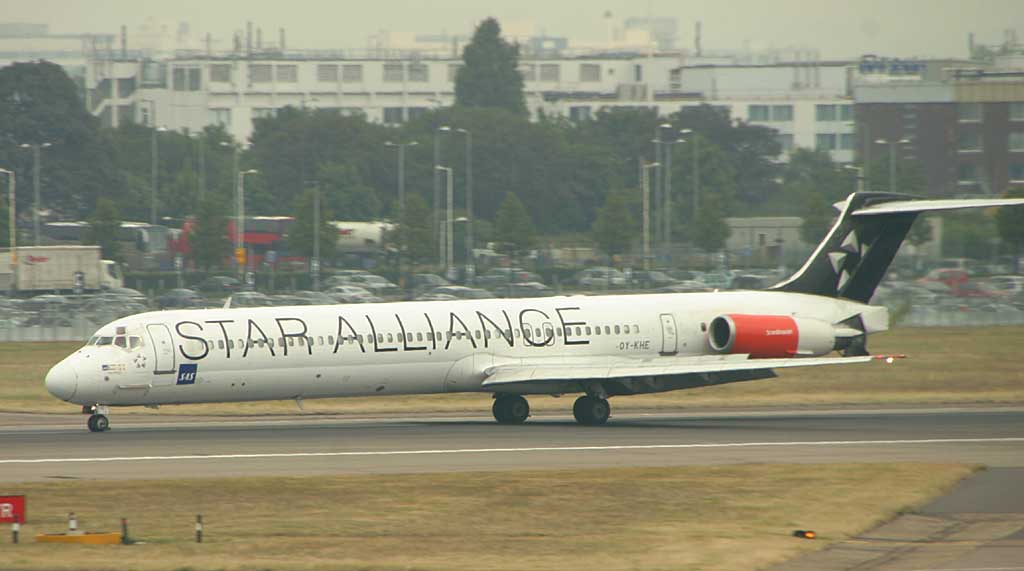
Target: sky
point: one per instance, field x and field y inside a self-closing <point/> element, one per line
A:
<point x="837" y="28"/>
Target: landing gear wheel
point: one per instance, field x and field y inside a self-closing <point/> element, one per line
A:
<point x="591" y="411"/>
<point x="98" y="423"/>
<point x="511" y="409"/>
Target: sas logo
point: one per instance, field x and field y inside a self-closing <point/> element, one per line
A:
<point x="187" y="374"/>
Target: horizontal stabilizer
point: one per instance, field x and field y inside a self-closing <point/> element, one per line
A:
<point x="907" y="206"/>
<point x="619" y="368"/>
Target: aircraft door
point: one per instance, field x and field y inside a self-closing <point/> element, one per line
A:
<point x="669" y="335"/>
<point x="163" y="350"/>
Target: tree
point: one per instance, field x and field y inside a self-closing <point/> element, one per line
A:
<point x="967" y="234"/>
<point x="103" y="226"/>
<point x="614" y="228"/>
<point x="39" y="103"/>
<point x="710" y="230"/>
<point x="817" y="215"/>
<point x="414" y="235"/>
<point x="208" y="242"/>
<point x="300" y="237"/>
<point x="1010" y="222"/>
<point x="490" y="76"/>
<point x="513" y="229"/>
<point x="346" y="194"/>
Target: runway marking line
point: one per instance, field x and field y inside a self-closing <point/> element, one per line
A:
<point x="504" y="450"/>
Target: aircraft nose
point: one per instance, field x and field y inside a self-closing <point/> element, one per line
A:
<point x="62" y="380"/>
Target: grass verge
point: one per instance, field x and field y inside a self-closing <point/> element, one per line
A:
<point x="708" y="518"/>
<point x="945" y="365"/>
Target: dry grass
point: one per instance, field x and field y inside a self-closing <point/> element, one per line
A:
<point x="707" y="518"/>
<point x="945" y="365"/>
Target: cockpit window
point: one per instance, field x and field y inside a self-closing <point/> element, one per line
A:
<point x="105" y="341"/>
<point x="93" y="339"/>
<point x="134" y="342"/>
<point x="121" y="341"/>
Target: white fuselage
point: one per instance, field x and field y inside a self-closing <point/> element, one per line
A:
<point x="244" y="354"/>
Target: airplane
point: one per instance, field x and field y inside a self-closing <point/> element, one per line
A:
<point x="600" y="346"/>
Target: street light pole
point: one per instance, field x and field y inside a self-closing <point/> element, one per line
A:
<point x="645" y="199"/>
<point x="435" y="218"/>
<point x="35" y="185"/>
<point x="401" y="197"/>
<point x="12" y="221"/>
<point x="667" y="192"/>
<point x="470" y="266"/>
<point x="241" y="256"/>
<point x="696" y="175"/>
<point x="449" y="223"/>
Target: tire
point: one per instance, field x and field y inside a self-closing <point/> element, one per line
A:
<point x="91" y="423"/>
<point x="591" y="411"/>
<point x="511" y="409"/>
<point x="99" y="423"/>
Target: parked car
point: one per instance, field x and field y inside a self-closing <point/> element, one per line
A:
<point x="180" y="298"/>
<point x="1007" y="286"/>
<point x="344" y="293"/>
<point x="250" y="299"/>
<point x="314" y="297"/>
<point x="430" y="296"/>
<point x="748" y="281"/>
<point x="716" y="280"/>
<point x="526" y="289"/>
<point x="652" y="278"/>
<point x="220" y="284"/>
<point x="498" y="277"/>
<point x="426" y="282"/>
<point x="374" y="284"/>
<point x="601" y="278"/>
<point x="463" y="292"/>
<point x="341" y="277"/>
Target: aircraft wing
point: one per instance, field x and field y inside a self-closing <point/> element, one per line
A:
<point x="606" y="368"/>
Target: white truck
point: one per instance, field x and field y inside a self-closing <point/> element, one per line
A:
<point x="58" y="269"/>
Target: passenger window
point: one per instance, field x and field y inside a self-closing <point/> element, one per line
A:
<point x="319" y="340"/>
<point x="476" y="333"/>
<point x="220" y="343"/>
<point x="616" y="329"/>
<point x="538" y="332"/>
<point x="597" y="330"/>
<point x="636" y="329"/>
<point x="270" y="342"/>
<point x="527" y="333"/>
<point x="588" y="330"/>
<point x="607" y="330"/>
<point x="579" y="331"/>
<point x="260" y="343"/>
<point x="330" y="340"/>
<point x="517" y="333"/>
<point x="419" y="336"/>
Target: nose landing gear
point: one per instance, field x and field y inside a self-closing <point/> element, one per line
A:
<point x="98" y="421"/>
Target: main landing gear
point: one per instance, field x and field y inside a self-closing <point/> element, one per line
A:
<point x="591" y="410"/>
<point x="98" y="421"/>
<point x="510" y="409"/>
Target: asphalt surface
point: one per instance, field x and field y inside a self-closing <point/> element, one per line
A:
<point x="978" y="527"/>
<point x="40" y="448"/>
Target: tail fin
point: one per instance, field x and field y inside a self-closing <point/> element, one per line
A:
<point x="854" y="256"/>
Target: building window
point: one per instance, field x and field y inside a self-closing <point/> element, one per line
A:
<point x="847" y="141"/>
<point x="453" y="70"/>
<point x="782" y="112"/>
<point x="220" y="116"/>
<point x="288" y="73"/>
<point x="758" y="113"/>
<point x="178" y="79"/>
<point x="968" y="111"/>
<point x="1016" y="172"/>
<point x="1017" y="111"/>
<point x="970" y="141"/>
<point x="393" y="115"/>
<point x="263" y="112"/>
<point x="638" y="73"/>
<point x="352" y="72"/>
<point x="846" y="112"/>
<point x="550" y="72"/>
<point x="1016" y="140"/>
<point x="125" y="87"/>
<point x="220" y="73"/>
<point x="327" y="72"/>
<point x="528" y="71"/>
<point x="825" y="141"/>
<point x="195" y="79"/>
<point x="419" y="72"/>
<point x="825" y="112"/>
<point x="415" y="112"/>
<point x="967" y="174"/>
<point x="579" y="113"/>
<point x="394" y="72"/>
<point x="590" y="72"/>
<point x="260" y="73"/>
<point x="785" y="141"/>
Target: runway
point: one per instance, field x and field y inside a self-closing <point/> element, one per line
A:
<point x="49" y="447"/>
